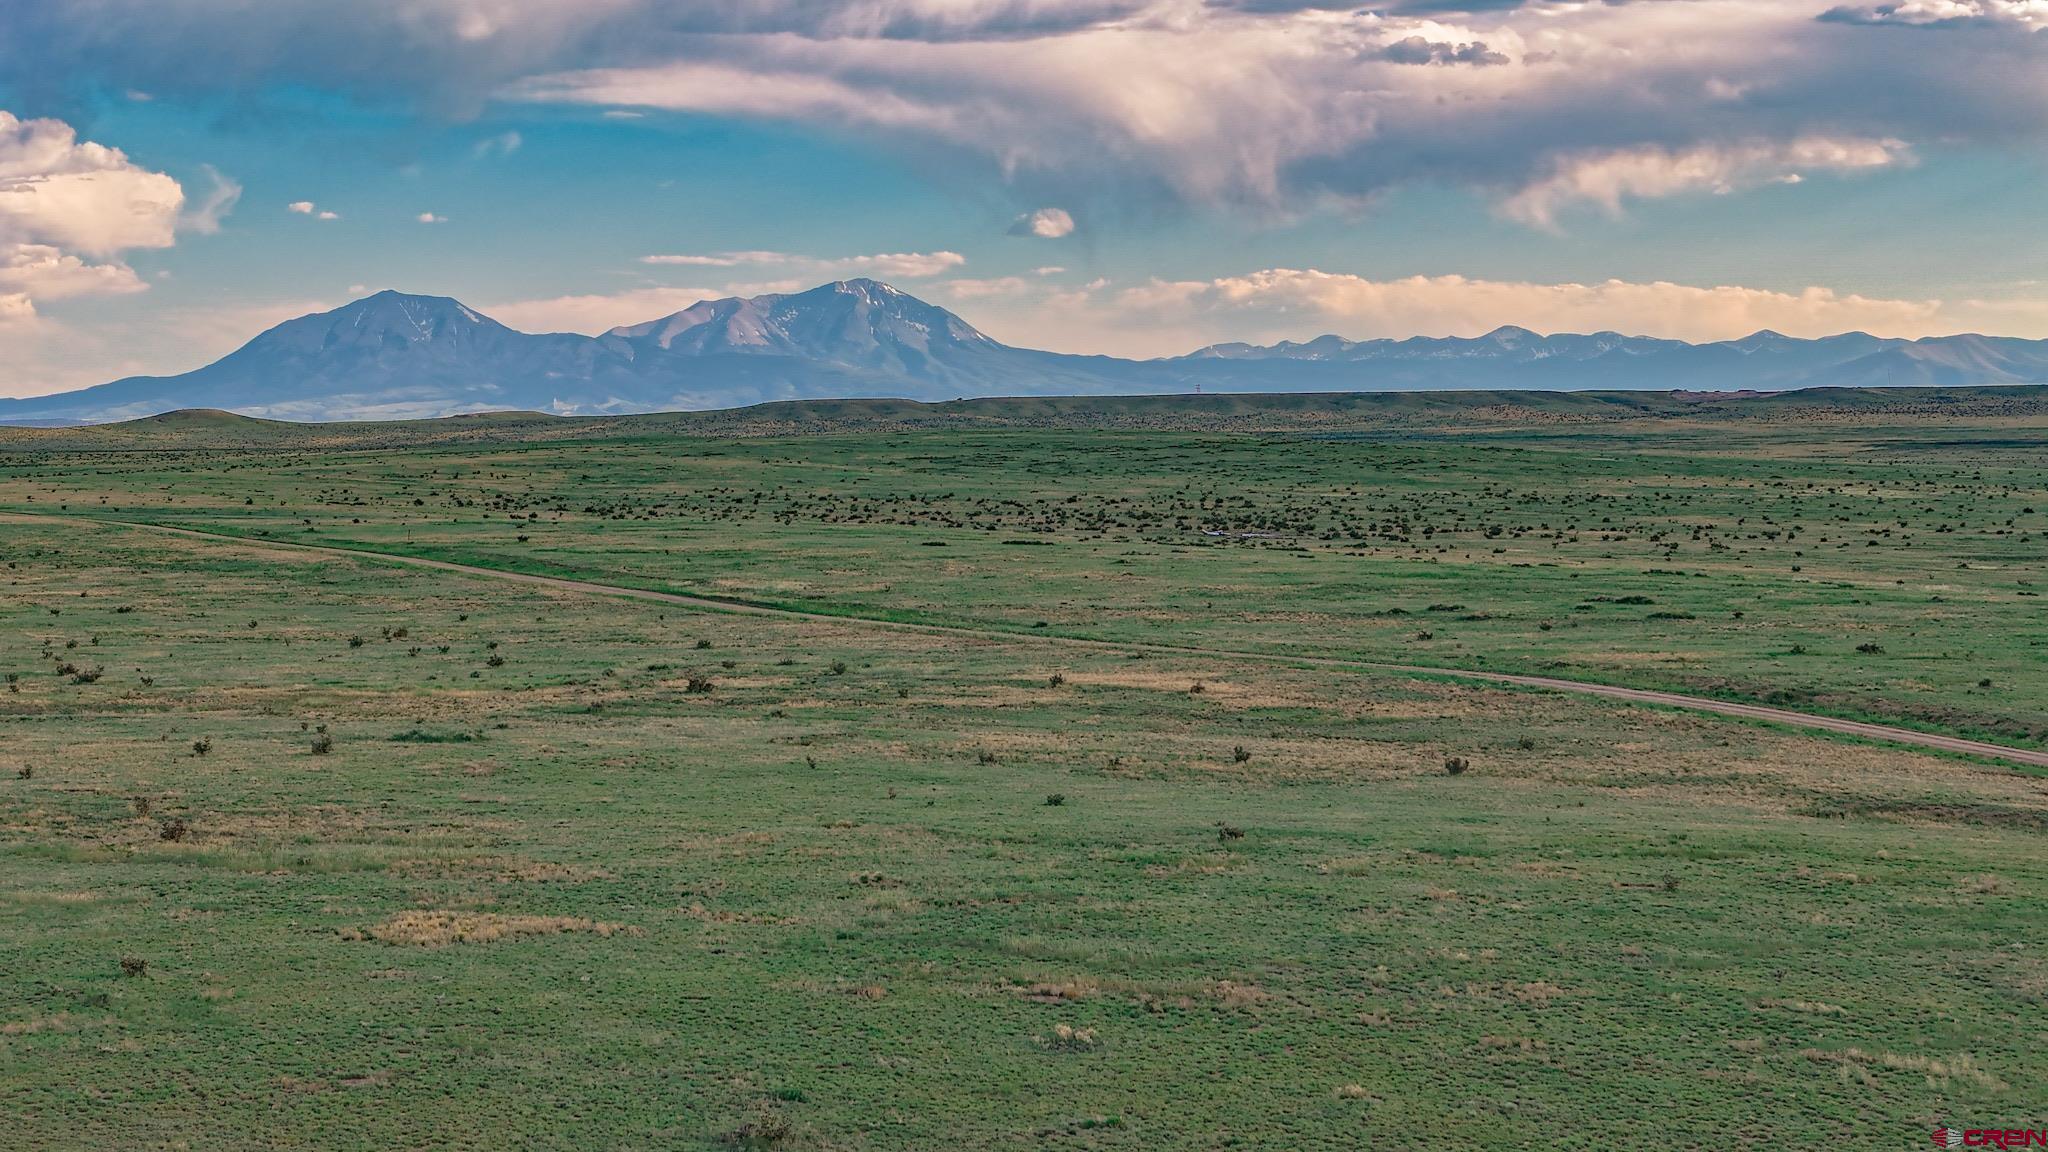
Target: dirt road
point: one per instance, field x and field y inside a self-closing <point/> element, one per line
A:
<point x="1783" y="716"/>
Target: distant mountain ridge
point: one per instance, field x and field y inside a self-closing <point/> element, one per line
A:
<point x="396" y="356"/>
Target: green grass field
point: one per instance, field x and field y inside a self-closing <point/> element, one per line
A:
<point x="299" y="851"/>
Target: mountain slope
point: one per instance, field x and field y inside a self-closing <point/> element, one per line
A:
<point x="862" y="328"/>
<point x="386" y="356"/>
<point x="392" y="356"/>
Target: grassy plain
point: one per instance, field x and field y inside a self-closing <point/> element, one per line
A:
<point x="576" y="872"/>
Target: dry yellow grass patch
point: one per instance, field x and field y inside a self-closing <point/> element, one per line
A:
<point x="1238" y="995"/>
<point x="440" y="929"/>
<point x="1059" y="991"/>
<point x="1855" y="1063"/>
<point x="1215" y="687"/>
<point x="61" y="1022"/>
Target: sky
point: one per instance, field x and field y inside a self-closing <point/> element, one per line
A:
<point x="1132" y="177"/>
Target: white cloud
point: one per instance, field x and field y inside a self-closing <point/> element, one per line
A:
<point x="308" y="208"/>
<point x="1606" y="179"/>
<point x="1458" y="305"/>
<point x="85" y="197"/>
<point x="887" y="265"/>
<point x="2031" y="14"/>
<point x="430" y="218"/>
<point x="69" y="207"/>
<point x="503" y="144"/>
<point x="41" y="272"/>
<point x="1045" y="223"/>
<point x="205" y="216"/>
<point x="597" y="312"/>
<point x="722" y="259"/>
<point x="970" y="289"/>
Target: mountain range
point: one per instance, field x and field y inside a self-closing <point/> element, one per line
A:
<point x="393" y="356"/>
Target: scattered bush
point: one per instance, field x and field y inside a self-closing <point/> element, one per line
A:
<point x="322" y="743"/>
<point x="172" y="830"/>
<point x="1456" y="765"/>
<point x="133" y="966"/>
<point x="1869" y="649"/>
<point x="697" y="684"/>
<point x="1055" y="799"/>
<point x="1066" y="1038"/>
<point x="1229" y="832"/>
<point x="423" y="736"/>
<point x="1240" y="754"/>
<point x="202" y="746"/>
<point x="1055" y="680"/>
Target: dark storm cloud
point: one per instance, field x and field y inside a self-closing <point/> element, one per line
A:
<point x="1416" y="50"/>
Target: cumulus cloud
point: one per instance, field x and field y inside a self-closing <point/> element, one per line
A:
<point x="887" y="265"/>
<point x="58" y="189"/>
<point x="66" y="203"/>
<point x="1045" y="223"/>
<point x="430" y="218"/>
<point x="41" y="272"/>
<point x="308" y="208"/>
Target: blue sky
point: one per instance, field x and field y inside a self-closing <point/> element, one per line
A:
<point x="1137" y="177"/>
